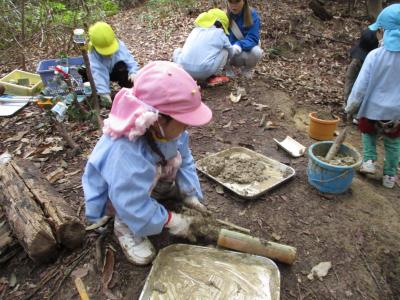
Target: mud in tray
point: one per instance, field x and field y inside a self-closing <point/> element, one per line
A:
<point x="183" y="272"/>
<point x="245" y="172"/>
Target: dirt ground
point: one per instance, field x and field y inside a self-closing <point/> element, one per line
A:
<point x="358" y="231"/>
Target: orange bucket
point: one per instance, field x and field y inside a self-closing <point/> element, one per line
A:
<point x="321" y="130"/>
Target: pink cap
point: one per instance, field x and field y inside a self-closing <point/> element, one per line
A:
<point x="160" y="86"/>
<point x="172" y="91"/>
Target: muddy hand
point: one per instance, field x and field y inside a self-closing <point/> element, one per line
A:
<point x="193" y="202"/>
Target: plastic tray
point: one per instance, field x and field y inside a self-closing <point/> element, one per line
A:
<point x="291" y="146"/>
<point x="276" y="172"/>
<point x="194" y="272"/>
<point x="19" y="90"/>
<point x="45" y="69"/>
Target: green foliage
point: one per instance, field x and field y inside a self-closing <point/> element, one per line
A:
<point x="50" y="20"/>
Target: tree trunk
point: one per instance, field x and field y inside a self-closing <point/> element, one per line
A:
<point x="374" y="7"/>
<point x="69" y="231"/>
<point x="25" y="216"/>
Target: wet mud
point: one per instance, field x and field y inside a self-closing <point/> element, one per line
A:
<point x="236" y="169"/>
<point x="340" y="159"/>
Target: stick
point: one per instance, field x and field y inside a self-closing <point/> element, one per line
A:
<point x="81" y="288"/>
<point x="234" y="226"/>
<point x="333" y="150"/>
<point x="63" y="132"/>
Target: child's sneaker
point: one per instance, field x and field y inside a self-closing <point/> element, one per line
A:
<point x="217" y="80"/>
<point x="368" y="167"/>
<point x="138" y="250"/>
<point x="248" y="73"/>
<point x="388" y="181"/>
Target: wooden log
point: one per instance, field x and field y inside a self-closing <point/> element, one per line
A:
<point x="25" y="216"/>
<point x="249" y="244"/>
<point x="68" y="229"/>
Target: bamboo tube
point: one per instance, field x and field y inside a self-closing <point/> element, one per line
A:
<point x="249" y="244"/>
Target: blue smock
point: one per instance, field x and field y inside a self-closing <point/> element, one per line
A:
<point x="102" y="66"/>
<point x="251" y="34"/>
<point x="123" y="171"/>
<point x="377" y="88"/>
<point x="202" y="50"/>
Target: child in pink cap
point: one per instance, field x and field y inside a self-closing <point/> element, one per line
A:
<point x="144" y="153"/>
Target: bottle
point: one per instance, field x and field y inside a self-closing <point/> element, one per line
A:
<point x="59" y="110"/>
<point x="87" y="89"/>
<point x="79" y="36"/>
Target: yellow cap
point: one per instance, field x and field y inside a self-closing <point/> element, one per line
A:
<point x="207" y="19"/>
<point x="103" y="39"/>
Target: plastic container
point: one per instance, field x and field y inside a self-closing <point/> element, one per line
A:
<point x="20" y="90"/>
<point x="329" y="178"/>
<point x="321" y="130"/>
<point x="46" y="69"/>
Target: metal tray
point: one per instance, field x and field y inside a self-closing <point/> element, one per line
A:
<point x="182" y="272"/>
<point x="276" y="171"/>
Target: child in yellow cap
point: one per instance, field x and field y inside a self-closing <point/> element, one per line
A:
<point x="207" y="48"/>
<point x="110" y="60"/>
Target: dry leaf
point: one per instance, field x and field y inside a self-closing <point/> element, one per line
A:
<point x="108" y="268"/>
<point x="235" y="99"/>
<point x="17" y="137"/>
<point x="228" y="124"/>
<point x="219" y="189"/>
<point x="80" y="272"/>
<point x="320" y="270"/>
<point x="52" y="149"/>
<point x="55" y="175"/>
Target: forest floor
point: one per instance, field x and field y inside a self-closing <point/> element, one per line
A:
<point x="302" y="71"/>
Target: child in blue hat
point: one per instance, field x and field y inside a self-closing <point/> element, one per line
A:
<point x="376" y="96"/>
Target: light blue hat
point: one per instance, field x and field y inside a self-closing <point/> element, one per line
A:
<point x="389" y="20"/>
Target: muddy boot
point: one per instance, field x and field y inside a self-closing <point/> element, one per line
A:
<point x="138" y="250"/>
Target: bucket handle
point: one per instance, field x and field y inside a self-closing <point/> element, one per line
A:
<point x="331" y="179"/>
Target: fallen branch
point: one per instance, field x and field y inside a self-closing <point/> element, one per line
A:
<point x="234" y="226"/>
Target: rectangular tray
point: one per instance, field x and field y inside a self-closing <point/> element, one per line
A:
<point x="7" y="109"/>
<point x="15" y="89"/>
<point x="183" y="272"/>
<point x="276" y="172"/>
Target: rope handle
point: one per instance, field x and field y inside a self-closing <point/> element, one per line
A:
<point x="331" y="179"/>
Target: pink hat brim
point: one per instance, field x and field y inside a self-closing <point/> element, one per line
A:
<point x="198" y="117"/>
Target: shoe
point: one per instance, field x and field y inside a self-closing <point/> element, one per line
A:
<point x="368" y="167"/>
<point x="355" y="121"/>
<point x="138" y="250"/>
<point x="217" y="80"/>
<point x="230" y="73"/>
<point x="248" y="73"/>
<point x="388" y="181"/>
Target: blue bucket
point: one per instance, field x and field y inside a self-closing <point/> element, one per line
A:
<point x="329" y="178"/>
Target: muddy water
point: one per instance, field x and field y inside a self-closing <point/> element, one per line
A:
<point x="191" y="272"/>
